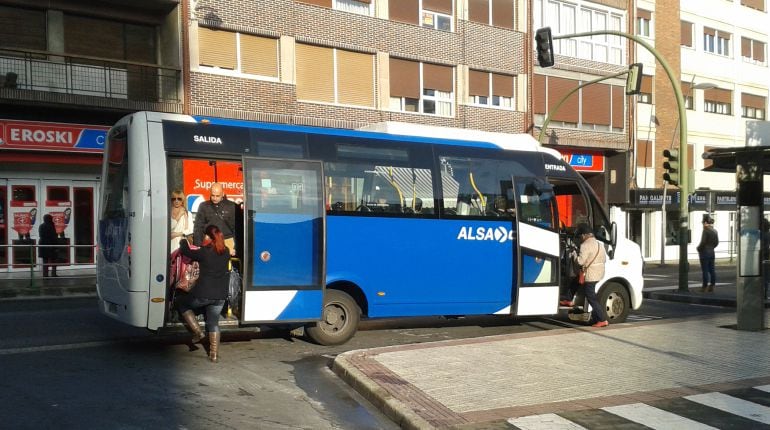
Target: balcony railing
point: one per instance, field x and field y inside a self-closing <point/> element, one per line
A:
<point x="89" y="76"/>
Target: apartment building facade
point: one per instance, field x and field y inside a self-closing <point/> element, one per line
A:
<point x="718" y="49"/>
<point x="68" y="70"/>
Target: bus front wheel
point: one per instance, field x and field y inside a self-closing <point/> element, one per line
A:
<point x="339" y="320"/>
<point x="617" y="302"/>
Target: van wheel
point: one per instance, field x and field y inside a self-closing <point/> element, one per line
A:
<point x="339" y="320"/>
<point x="617" y="302"/>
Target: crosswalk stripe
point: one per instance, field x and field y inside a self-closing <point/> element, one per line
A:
<point x="655" y="418"/>
<point x="764" y="388"/>
<point x="544" y="422"/>
<point x="733" y="405"/>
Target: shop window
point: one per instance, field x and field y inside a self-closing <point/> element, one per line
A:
<point x="57" y="194"/>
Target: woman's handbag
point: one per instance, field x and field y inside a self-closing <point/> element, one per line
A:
<point x="190" y="274"/>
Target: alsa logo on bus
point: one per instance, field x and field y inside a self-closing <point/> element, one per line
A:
<point x="207" y="139"/>
<point x="499" y="234"/>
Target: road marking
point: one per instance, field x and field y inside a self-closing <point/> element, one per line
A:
<point x="733" y="405"/>
<point x="655" y="418"/>
<point x="544" y="422"/>
<point x="764" y="388"/>
<point x="635" y="317"/>
<point x="29" y="349"/>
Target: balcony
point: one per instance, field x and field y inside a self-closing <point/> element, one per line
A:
<point x="50" y="78"/>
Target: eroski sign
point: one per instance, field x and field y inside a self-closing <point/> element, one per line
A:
<point x="497" y="234"/>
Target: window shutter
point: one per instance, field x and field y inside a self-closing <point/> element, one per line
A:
<point x="725" y="35"/>
<point x="140" y="43"/>
<point x="22" y="28"/>
<point x="259" y="55"/>
<point x="718" y="95"/>
<point x="538" y="94"/>
<point x="478" y="11"/>
<point x="441" y="6"/>
<point x="758" y="53"/>
<point x="404" y="78"/>
<point x="355" y="78"/>
<point x="80" y="37"/>
<point x="315" y="73"/>
<point x="404" y="11"/>
<point x="324" y="3"/>
<point x="644" y="14"/>
<point x="754" y="4"/>
<point x="643" y="153"/>
<point x="752" y="101"/>
<point x="502" y="85"/>
<point x="596" y="104"/>
<point x="217" y="48"/>
<point x="502" y="13"/>
<point x="686" y="34"/>
<point x="557" y="88"/>
<point x="746" y="47"/>
<point x="686" y="90"/>
<point x="437" y="77"/>
<point x="478" y="83"/>
<point x="709" y="31"/>
<point x="646" y="86"/>
<point x="618" y="107"/>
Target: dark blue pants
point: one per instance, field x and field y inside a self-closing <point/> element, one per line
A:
<point x="707" y="268"/>
<point x="598" y="313"/>
<point x="211" y="307"/>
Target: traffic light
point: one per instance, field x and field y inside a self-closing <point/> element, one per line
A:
<point x="634" y="79"/>
<point x="672" y="166"/>
<point x="544" y="46"/>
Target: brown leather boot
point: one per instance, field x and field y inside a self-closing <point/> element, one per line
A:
<point x="710" y="288"/>
<point x="214" y="346"/>
<point x="188" y="317"/>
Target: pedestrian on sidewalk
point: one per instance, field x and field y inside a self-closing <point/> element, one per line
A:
<point x="591" y="259"/>
<point x="48" y="252"/>
<point x="708" y="241"/>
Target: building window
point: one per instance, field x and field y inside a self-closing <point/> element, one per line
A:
<point x="498" y="13"/>
<point x="754" y="4"/>
<point x="436" y="14"/>
<point x="566" y="18"/>
<point x="333" y="75"/>
<point x="421" y="87"/>
<point x="643" y="22"/>
<point x="716" y="41"/>
<point x="490" y="89"/>
<point x="753" y="107"/>
<point x="237" y="53"/>
<point x="644" y="153"/>
<point x="361" y="7"/>
<point x="686" y="34"/>
<point x="599" y="107"/>
<point x="645" y="91"/>
<point x="752" y="51"/>
<point x="718" y="101"/>
<point x="688" y="96"/>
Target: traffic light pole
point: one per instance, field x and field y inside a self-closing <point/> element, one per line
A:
<point x="684" y="216"/>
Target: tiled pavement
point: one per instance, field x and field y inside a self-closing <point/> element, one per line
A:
<point x="575" y="372"/>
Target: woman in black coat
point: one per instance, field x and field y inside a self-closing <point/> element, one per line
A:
<point x="48" y="253"/>
<point x="210" y="290"/>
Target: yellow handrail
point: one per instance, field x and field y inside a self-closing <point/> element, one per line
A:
<point x="481" y="196"/>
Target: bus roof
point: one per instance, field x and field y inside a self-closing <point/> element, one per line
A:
<point x="407" y="132"/>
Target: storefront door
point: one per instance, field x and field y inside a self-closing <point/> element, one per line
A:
<point x="4" y="249"/>
<point x="23" y="220"/>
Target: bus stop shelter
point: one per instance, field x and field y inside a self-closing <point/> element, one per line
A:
<point x="750" y="165"/>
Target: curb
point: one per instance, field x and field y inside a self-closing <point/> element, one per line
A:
<point x="690" y="298"/>
<point x="402" y="415"/>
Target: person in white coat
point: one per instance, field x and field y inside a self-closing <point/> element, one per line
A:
<point x="181" y="219"/>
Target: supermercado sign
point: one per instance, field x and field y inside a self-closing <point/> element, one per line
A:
<point x="51" y="136"/>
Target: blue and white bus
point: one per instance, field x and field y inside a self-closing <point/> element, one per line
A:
<point x="338" y="224"/>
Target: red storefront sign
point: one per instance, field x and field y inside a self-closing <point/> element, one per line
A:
<point x="199" y="175"/>
<point x="584" y="161"/>
<point x="51" y="136"/>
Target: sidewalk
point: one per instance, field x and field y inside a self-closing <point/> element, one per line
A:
<point x="69" y="283"/>
<point x="483" y="382"/>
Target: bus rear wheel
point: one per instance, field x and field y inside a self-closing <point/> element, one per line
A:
<point x="617" y="302"/>
<point x="339" y="320"/>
